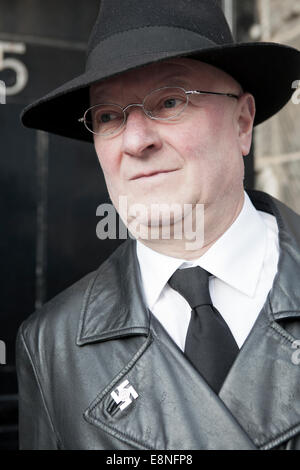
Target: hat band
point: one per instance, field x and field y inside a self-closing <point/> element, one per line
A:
<point x="155" y="42"/>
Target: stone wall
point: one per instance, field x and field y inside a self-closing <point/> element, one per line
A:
<point x="277" y="142"/>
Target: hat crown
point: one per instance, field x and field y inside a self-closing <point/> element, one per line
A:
<point x="204" y="17"/>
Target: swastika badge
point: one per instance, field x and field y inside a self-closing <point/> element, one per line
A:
<point x="124" y="393"/>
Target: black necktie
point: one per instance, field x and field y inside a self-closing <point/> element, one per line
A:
<point x="209" y="345"/>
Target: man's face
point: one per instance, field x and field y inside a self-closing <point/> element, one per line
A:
<point x="197" y="158"/>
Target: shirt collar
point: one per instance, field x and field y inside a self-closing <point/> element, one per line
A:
<point x="236" y="257"/>
<point x="156" y="270"/>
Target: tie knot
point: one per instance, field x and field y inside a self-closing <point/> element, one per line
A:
<point x="192" y="284"/>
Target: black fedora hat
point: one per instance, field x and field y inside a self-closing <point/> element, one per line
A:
<point x="134" y="33"/>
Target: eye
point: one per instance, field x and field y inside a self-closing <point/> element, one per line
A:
<point x="105" y="117"/>
<point x="172" y="102"/>
<point x="165" y="103"/>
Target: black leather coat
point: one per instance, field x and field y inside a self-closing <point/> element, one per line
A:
<point x="98" y="333"/>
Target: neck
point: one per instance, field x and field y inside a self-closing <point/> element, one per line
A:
<point x="206" y="228"/>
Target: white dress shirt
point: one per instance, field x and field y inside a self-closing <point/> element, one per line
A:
<point x="243" y="262"/>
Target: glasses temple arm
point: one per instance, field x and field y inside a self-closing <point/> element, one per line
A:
<point x="199" y="92"/>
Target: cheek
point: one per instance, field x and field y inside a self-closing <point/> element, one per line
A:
<point x="212" y="151"/>
<point x="204" y="134"/>
<point x="199" y="146"/>
<point x="222" y="139"/>
<point x="107" y="159"/>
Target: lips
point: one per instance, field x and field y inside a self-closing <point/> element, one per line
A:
<point x="150" y="174"/>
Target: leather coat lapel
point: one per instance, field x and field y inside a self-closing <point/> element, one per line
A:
<point x="174" y="409"/>
<point x="262" y="389"/>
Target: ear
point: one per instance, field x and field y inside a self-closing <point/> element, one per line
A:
<point x="245" y="118"/>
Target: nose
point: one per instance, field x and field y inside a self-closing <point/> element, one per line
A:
<point x="141" y="134"/>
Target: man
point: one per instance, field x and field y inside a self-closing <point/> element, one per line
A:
<point x="178" y="342"/>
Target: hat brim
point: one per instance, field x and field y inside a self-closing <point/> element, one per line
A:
<point x="267" y="70"/>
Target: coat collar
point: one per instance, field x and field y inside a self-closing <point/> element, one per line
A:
<point x="113" y="304"/>
<point x="283" y="299"/>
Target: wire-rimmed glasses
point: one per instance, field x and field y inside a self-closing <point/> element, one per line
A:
<point x="162" y="104"/>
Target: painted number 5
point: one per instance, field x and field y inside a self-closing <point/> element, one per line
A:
<point x="14" y="64"/>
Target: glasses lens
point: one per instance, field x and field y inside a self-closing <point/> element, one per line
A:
<point x="104" y="119"/>
<point x="165" y="103"/>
